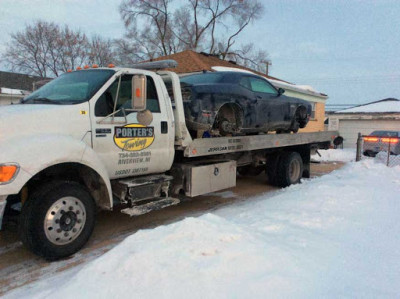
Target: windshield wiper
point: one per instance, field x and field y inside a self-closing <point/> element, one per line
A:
<point x="42" y="100"/>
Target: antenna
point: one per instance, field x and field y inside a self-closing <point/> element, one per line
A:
<point x="161" y="64"/>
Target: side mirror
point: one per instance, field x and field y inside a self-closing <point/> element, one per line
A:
<point x="281" y="91"/>
<point x="139" y="92"/>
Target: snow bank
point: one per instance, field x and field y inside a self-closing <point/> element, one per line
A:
<point x="336" y="155"/>
<point x="334" y="236"/>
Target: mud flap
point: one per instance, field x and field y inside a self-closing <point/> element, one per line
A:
<point x="3" y="203"/>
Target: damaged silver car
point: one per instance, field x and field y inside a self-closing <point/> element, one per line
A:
<point x="238" y="103"/>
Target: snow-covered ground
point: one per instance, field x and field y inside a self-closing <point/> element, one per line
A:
<point x="331" y="237"/>
<point x="336" y="155"/>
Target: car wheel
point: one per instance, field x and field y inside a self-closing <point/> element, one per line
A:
<point x="57" y="220"/>
<point x="228" y="120"/>
<point x="295" y="127"/>
<point x="369" y="154"/>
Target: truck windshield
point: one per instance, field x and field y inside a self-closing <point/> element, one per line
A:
<point x="70" y="88"/>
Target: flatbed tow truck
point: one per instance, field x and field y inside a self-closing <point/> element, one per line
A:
<point x="61" y="160"/>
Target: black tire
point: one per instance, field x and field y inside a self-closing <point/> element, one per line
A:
<point x="57" y="220"/>
<point x="272" y="168"/>
<point x="369" y="154"/>
<point x="289" y="169"/>
<point x="295" y="127"/>
<point x="250" y="170"/>
<point x="301" y="117"/>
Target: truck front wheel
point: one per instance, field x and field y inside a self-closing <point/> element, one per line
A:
<point x="57" y="220"/>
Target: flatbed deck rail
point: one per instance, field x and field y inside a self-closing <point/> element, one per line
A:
<point x="224" y="145"/>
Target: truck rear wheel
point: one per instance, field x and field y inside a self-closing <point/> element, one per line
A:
<point x="57" y="220"/>
<point x="289" y="169"/>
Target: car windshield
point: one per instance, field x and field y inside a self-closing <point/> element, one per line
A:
<point x="70" y="88"/>
<point x="202" y="78"/>
<point x="385" y="133"/>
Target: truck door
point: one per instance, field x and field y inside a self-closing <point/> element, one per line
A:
<point x="126" y="147"/>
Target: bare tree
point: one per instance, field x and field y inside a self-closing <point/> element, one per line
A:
<point x="154" y="29"/>
<point x="242" y="16"/>
<point x="155" y="35"/>
<point x="100" y="51"/>
<point x="73" y="49"/>
<point x="30" y="51"/>
<point x="249" y="57"/>
<point x="127" y="53"/>
<point x="46" y="49"/>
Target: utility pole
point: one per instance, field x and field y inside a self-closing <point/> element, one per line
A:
<point x="267" y="64"/>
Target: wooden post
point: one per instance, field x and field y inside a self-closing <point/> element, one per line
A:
<point x="388" y="157"/>
<point x="359" y="146"/>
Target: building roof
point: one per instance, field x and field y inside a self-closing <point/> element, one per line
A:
<point x="18" y="81"/>
<point x="190" y="62"/>
<point x="389" y="105"/>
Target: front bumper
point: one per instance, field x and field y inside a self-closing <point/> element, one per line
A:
<point x="3" y="203"/>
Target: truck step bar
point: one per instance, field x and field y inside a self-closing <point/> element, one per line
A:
<point x="157" y="204"/>
<point x="142" y="188"/>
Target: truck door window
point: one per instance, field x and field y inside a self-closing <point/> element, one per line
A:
<point x="105" y="104"/>
<point x="152" y="96"/>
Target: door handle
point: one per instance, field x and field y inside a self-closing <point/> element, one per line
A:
<point x="164" y="127"/>
<point x="256" y="99"/>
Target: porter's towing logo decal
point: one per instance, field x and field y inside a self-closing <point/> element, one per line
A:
<point x="133" y="137"/>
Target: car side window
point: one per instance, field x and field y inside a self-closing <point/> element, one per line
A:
<point x="244" y="81"/>
<point x="105" y="104"/>
<point x="261" y="85"/>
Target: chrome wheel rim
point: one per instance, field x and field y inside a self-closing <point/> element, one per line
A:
<point x="65" y="220"/>
<point x="294" y="170"/>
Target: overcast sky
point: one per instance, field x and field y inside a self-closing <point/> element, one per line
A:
<point x="347" y="49"/>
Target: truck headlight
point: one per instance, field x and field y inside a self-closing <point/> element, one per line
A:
<point x="8" y="172"/>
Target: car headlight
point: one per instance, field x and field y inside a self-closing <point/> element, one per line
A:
<point x="8" y="172"/>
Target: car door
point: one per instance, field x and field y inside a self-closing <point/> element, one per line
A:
<point x="270" y="109"/>
<point x="126" y="147"/>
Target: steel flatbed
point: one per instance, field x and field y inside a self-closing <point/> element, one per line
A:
<point x="224" y="145"/>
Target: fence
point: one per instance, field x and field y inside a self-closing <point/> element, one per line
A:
<point x="385" y="149"/>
